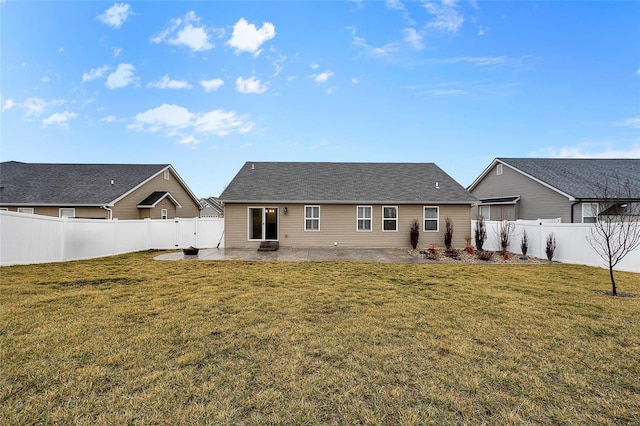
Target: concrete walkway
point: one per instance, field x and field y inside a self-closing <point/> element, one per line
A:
<point x="298" y="254"/>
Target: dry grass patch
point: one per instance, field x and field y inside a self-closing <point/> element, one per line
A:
<point x="128" y="340"/>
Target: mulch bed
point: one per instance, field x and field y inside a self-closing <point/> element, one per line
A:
<point x="461" y="256"/>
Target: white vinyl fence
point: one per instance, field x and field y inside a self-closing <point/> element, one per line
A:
<point x="572" y="245"/>
<point x="29" y="238"/>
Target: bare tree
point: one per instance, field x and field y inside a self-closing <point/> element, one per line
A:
<point x="616" y="231"/>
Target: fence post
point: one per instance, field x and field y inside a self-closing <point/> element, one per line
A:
<point x="63" y="234"/>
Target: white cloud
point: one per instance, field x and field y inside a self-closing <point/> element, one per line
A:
<point x="446" y="17"/>
<point x="121" y="77"/>
<point x="482" y="30"/>
<point x="109" y="119"/>
<point x="250" y="85"/>
<point x="413" y="38"/>
<point x="8" y="104"/>
<point x="323" y="77"/>
<point x="164" y="117"/>
<point x="314" y="66"/>
<point x="247" y="38"/>
<point x="174" y="120"/>
<point x="589" y="150"/>
<point x="211" y="85"/>
<point x="34" y="106"/>
<point x="116" y="51"/>
<point x="166" y="83"/>
<point x="183" y="32"/>
<point x="189" y="141"/>
<point x="383" y="51"/>
<point x="355" y="80"/>
<point x="95" y="73"/>
<point x="638" y="72"/>
<point x="394" y="4"/>
<point x="633" y="122"/>
<point x="115" y="15"/>
<point x="61" y="119"/>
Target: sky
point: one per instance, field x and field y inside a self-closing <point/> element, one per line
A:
<point x="207" y="86"/>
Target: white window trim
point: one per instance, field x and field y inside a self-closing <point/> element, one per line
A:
<point x="488" y="216"/>
<point x="164" y="214"/>
<point x="67" y="208"/>
<point x="166" y="174"/>
<point x="437" y="218"/>
<point x="311" y="218"/>
<point x="370" y="218"/>
<point x="590" y="211"/>
<point x="27" y="210"/>
<point x="499" y="169"/>
<point x="395" y="219"/>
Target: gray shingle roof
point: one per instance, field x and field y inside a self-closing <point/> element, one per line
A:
<point x="579" y="178"/>
<point x="401" y="183"/>
<point x="70" y="184"/>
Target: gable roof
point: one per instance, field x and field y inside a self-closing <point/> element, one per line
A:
<point x="74" y="184"/>
<point x="155" y="197"/>
<point x="575" y="178"/>
<point x="344" y="183"/>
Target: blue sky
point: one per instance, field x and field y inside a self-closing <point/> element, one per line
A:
<point x="206" y="86"/>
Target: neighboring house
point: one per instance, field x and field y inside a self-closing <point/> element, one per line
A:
<point x="101" y="191"/>
<point x="551" y="188"/>
<point x="348" y="204"/>
<point x="211" y="207"/>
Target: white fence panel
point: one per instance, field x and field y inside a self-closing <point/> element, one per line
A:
<point x="572" y="245"/>
<point x="27" y="238"/>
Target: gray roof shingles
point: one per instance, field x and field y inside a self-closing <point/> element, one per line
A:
<point x="401" y="183"/>
<point x="580" y="178"/>
<point x="70" y="184"/>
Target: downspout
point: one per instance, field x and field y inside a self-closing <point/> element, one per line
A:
<point x="110" y="211"/>
<point x="578" y="201"/>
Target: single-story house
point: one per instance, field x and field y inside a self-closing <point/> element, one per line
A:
<point x="211" y="207"/>
<point x="551" y="188"/>
<point x="99" y="191"/>
<point x="368" y="205"/>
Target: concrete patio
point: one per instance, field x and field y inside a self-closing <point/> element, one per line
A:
<point x="297" y="255"/>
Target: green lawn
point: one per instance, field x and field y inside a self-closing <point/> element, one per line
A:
<point x="130" y="340"/>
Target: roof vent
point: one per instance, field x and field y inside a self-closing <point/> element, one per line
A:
<point x="437" y="185"/>
<point x="253" y="166"/>
<point x="112" y="182"/>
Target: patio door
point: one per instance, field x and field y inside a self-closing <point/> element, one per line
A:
<point x="263" y="223"/>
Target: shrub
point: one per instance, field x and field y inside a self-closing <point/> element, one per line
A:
<point x="551" y="246"/>
<point x="485" y="255"/>
<point x="448" y="233"/>
<point x="415" y="234"/>
<point x="432" y="253"/>
<point x="452" y="253"/>
<point x="524" y="244"/>
<point x="504" y="232"/>
<point x="468" y="248"/>
<point x="480" y="233"/>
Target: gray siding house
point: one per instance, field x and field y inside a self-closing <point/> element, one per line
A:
<point x="97" y="191"/>
<point x="364" y="205"/>
<point x="549" y="188"/>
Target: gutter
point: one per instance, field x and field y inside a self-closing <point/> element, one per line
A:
<point x="110" y="211"/>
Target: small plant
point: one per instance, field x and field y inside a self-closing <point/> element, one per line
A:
<point x="415" y="233"/>
<point x="504" y="232"/>
<point x="452" y="253"/>
<point x="524" y="244"/>
<point x="448" y="233"/>
<point x="551" y="246"/>
<point x="480" y="232"/>
<point x="469" y="247"/>
<point x="432" y="253"/>
<point x="485" y="255"/>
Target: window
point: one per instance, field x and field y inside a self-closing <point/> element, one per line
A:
<point x="484" y="212"/>
<point x="364" y="219"/>
<point x="311" y="218"/>
<point x="163" y="214"/>
<point x="25" y="210"/>
<point x="499" y="169"/>
<point x="389" y="219"/>
<point x="262" y="223"/>
<point x="589" y="212"/>
<point x="69" y="212"/>
<point x="431" y="216"/>
<point x="166" y="174"/>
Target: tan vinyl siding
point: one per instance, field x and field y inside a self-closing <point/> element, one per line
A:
<point x="127" y="207"/>
<point x="81" y="212"/>
<point x="537" y="201"/>
<point x="338" y="224"/>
